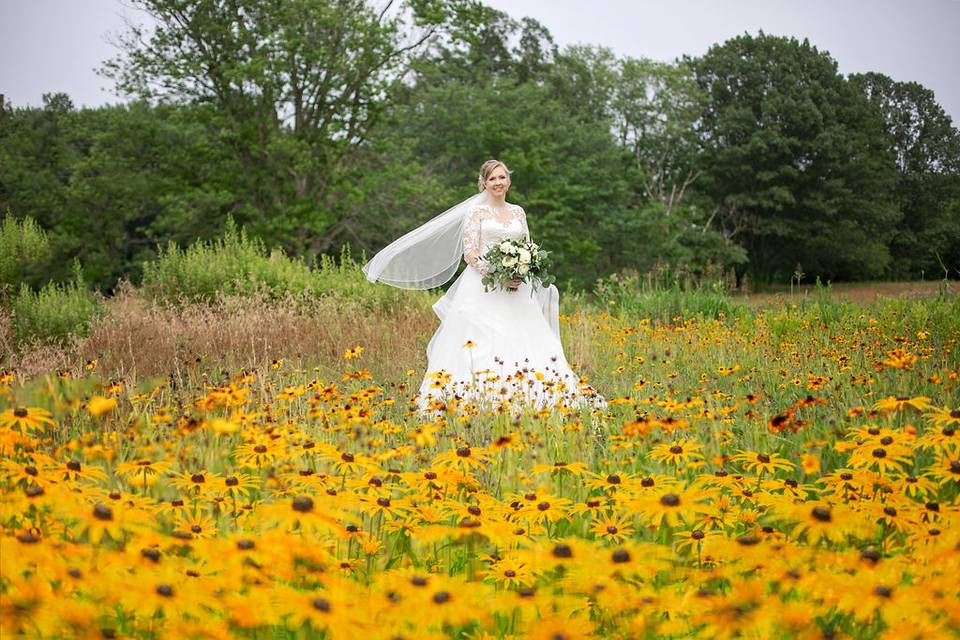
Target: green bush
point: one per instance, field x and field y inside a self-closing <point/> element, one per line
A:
<point x="24" y="247"/>
<point x="239" y="265"/>
<point x="664" y="299"/>
<point x="53" y="313"/>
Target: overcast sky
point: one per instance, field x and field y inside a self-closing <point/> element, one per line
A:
<point x="55" y="45"/>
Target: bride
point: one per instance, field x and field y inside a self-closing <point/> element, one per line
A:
<point x="492" y="347"/>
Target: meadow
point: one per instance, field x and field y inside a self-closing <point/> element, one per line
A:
<point x="243" y="464"/>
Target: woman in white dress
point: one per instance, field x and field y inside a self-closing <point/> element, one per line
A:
<point x="492" y="347"/>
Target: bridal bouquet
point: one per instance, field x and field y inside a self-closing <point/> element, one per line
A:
<point x="516" y="259"/>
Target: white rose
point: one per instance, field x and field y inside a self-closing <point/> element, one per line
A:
<point x="522" y="269"/>
<point x="509" y="262"/>
<point x="505" y="246"/>
<point x="524" y="256"/>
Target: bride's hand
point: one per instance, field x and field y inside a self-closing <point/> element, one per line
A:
<point x="514" y="284"/>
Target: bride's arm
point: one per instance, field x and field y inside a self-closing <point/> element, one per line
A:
<point x="523" y="221"/>
<point x="471" y="240"/>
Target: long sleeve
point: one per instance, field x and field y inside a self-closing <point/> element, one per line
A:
<point x="523" y="222"/>
<point x="471" y="239"/>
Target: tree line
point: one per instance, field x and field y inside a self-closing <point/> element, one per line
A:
<point x="324" y="124"/>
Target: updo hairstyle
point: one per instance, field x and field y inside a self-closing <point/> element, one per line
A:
<point x="486" y="169"/>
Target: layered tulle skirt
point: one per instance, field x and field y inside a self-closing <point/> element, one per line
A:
<point x="499" y="348"/>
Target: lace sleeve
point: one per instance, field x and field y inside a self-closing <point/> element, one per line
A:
<point x="523" y="221"/>
<point x="471" y="240"/>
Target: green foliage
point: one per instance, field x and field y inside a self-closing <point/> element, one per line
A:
<point x="237" y="264"/>
<point x="55" y="313"/>
<point x="668" y="298"/>
<point x="24" y="251"/>
<point x="321" y="125"/>
<point x="796" y="160"/>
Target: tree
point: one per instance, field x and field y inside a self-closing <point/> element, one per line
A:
<point x="795" y="158"/>
<point x="927" y="150"/>
<point x="296" y="86"/>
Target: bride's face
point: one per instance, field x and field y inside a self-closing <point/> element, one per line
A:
<point x="498" y="181"/>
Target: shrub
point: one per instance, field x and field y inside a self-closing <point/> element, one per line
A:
<point x="24" y="247"/>
<point x="54" y="313"/>
<point x="666" y="299"/>
<point x="239" y="265"/>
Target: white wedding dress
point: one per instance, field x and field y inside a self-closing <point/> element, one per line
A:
<point x="498" y="347"/>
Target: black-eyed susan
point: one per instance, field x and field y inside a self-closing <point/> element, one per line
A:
<point x="612" y="527"/>
<point x="26" y="419"/>
<point x="677" y="452"/>
<point x="761" y="463"/>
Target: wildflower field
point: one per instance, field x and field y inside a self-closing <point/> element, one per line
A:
<point x="789" y="471"/>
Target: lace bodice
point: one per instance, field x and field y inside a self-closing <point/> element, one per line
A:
<point x="485" y="227"/>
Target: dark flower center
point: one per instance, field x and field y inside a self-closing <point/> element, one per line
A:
<point x="198" y="478"/>
<point x="646" y="482"/>
<point x="670" y="500"/>
<point x="102" y="512"/>
<point x="151" y="554"/>
<point x="543" y="506"/>
<point x="473" y="510"/>
<point x="33" y="491"/>
<point x="933" y="506"/>
<point x="846" y="476"/>
<point x="245" y="544"/>
<point x="613" y="479"/>
<point x="676" y="449"/>
<point x="822" y="514"/>
<point x="698" y="534"/>
<point x="562" y="551"/>
<point x="31" y="471"/>
<point x="620" y="556"/>
<point x="763" y="458"/>
<point x="874" y="431"/>
<point x="612" y="530"/>
<point x="882" y="591"/>
<point x="879" y="453"/>
<point x="871" y="555"/>
<point x="890" y="511"/>
<point x="464" y="452"/>
<point x="73" y="465"/>
<point x="165" y="590"/>
<point x="20" y="412"/>
<point x="347" y="457"/>
<point x="383" y="502"/>
<point x="441" y="597"/>
<point x="418" y="581"/>
<point x="260" y="448"/>
<point x="303" y="504"/>
<point x="232" y="481"/>
<point x="321" y="604"/>
<point x="530" y="496"/>
<point x="430" y="475"/>
<point x="886" y="441"/>
<point x="510" y="573"/>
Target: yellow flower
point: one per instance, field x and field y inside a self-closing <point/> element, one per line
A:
<point x="351" y="354"/>
<point x="677" y="452"/>
<point x="899" y="403"/>
<point x="810" y="464"/>
<point x="99" y="405"/>
<point x="26" y="418"/>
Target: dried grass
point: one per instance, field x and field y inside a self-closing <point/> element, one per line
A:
<point x="137" y="338"/>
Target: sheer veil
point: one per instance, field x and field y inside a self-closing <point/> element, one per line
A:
<point x="428" y="256"/>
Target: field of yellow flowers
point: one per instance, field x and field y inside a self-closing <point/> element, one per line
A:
<point x="790" y="473"/>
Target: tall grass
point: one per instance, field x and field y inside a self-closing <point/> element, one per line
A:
<point x="53" y="314"/>
<point x="239" y="265"/>
<point x="665" y="298"/>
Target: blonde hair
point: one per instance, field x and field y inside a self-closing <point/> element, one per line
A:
<point x="486" y="169"/>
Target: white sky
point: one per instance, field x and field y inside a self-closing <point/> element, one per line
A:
<point x="54" y="45"/>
